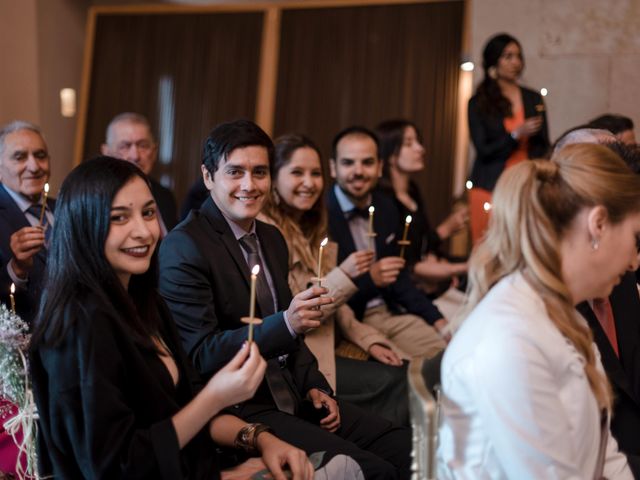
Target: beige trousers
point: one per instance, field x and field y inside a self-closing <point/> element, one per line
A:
<point x="410" y="333"/>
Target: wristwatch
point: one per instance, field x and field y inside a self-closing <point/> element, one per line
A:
<point x="247" y="438"/>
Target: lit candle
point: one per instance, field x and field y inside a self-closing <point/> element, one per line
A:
<point x="372" y="234"/>
<point x="44" y="202"/>
<point x="252" y="300"/>
<point x="12" y="298"/>
<point x="404" y="242"/>
<point x="322" y="245"/>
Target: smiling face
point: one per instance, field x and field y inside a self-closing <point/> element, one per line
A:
<point x="133" y="231"/>
<point x="410" y="158"/>
<point x="299" y="183"/>
<point x="24" y="163"/>
<point x="356" y="167"/>
<point x="510" y="64"/>
<point x="240" y="184"/>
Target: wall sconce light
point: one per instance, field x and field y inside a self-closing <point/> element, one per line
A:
<point x="67" y="102"/>
<point x="467" y="66"/>
<point x="544" y="92"/>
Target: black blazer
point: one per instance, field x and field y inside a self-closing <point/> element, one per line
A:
<point x="402" y="295"/>
<point x="166" y="203"/>
<point x="13" y="219"/>
<point x="105" y="404"/>
<point x="205" y="281"/>
<point x="623" y="372"/>
<point x="494" y="145"/>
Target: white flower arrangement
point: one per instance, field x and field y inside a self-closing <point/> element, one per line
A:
<point x="15" y="386"/>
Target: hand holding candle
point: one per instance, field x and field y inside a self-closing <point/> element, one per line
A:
<point x="12" y="298"/>
<point x="44" y="202"/>
<point x="404" y="242"/>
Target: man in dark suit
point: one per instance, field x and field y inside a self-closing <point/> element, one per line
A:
<point x="24" y="170"/>
<point x="205" y="279"/>
<point x="129" y="137"/>
<point x="620" y="356"/>
<point x="387" y="298"/>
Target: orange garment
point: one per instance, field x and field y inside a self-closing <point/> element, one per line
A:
<point x="479" y="216"/>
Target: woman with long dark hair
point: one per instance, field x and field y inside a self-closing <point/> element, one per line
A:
<point x="507" y="123"/>
<point x="524" y="392"/>
<point x="297" y="208"/>
<point x="403" y="155"/>
<point x="116" y="395"/>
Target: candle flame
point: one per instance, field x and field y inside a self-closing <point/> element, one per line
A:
<point x="408" y="219"/>
<point x="486" y="206"/>
<point x="255" y="270"/>
<point x="372" y="209"/>
<point x="13" y="288"/>
<point x="46" y="187"/>
<point x="324" y="242"/>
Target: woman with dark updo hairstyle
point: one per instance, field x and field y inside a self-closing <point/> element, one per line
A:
<point x="507" y="123"/>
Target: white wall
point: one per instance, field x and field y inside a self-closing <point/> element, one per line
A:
<point x="586" y="52"/>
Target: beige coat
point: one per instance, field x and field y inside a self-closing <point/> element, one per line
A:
<point x="321" y="341"/>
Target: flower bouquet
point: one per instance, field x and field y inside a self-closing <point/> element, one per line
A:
<point x="18" y="412"/>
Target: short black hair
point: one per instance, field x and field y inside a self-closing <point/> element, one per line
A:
<point x="229" y="136"/>
<point x="614" y="123"/>
<point x="629" y="153"/>
<point x="354" y="130"/>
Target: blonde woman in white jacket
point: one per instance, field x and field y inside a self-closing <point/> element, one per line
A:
<point x="525" y="395"/>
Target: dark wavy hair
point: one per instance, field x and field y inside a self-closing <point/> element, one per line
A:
<point x="490" y="98"/>
<point x="77" y="267"/>
<point x="391" y="136"/>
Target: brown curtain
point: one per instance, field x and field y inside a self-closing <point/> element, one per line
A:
<point x="185" y="72"/>
<point x="362" y="65"/>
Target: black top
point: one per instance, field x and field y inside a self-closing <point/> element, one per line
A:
<point x="623" y="371"/>
<point x="494" y="144"/>
<point x="105" y="405"/>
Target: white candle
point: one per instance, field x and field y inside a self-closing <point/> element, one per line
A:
<point x="44" y="202"/>
<point x="252" y="306"/>
<point x="322" y="245"/>
<point x="12" y="298"/>
<point x="372" y="209"/>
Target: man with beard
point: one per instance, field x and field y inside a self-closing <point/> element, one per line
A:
<point x="387" y="298"/>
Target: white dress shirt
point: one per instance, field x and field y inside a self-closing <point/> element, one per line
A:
<point x="516" y="401"/>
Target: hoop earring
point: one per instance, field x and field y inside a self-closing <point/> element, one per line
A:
<point x="493" y="73"/>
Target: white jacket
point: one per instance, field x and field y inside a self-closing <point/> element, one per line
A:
<point x="517" y="403"/>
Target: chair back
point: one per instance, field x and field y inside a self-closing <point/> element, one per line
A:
<point x="424" y="411"/>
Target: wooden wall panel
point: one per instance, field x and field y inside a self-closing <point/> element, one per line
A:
<point x="209" y="63"/>
<point x="365" y="64"/>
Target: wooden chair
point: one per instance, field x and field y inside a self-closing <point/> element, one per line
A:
<point x="424" y="379"/>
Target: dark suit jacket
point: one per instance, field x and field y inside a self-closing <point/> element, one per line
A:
<point x="11" y="220"/>
<point x="623" y="372"/>
<point x="205" y="281"/>
<point x="494" y="145"/>
<point x="400" y="295"/>
<point x="106" y="403"/>
<point x="166" y="204"/>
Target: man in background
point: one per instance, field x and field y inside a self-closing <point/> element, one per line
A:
<point x="129" y="137"/>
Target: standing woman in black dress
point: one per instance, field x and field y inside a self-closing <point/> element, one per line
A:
<point x="507" y="123"/>
<point x="114" y="390"/>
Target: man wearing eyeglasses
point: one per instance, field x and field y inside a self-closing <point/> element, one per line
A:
<point x="129" y="137"/>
